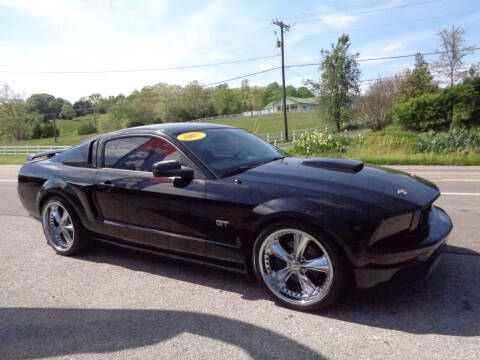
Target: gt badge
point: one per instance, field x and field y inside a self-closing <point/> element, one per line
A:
<point x="222" y="223"/>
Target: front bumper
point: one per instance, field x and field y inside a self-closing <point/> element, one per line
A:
<point x="408" y="264"/>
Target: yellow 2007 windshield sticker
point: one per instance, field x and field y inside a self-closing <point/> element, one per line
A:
<point x="190" y="136"/>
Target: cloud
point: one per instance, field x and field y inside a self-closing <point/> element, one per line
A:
<point x="337" y="20"/>
<point x="113" y="35"/>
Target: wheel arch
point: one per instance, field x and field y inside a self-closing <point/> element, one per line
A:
<point x="66" y="192"/>
<point x="291" y="216"/>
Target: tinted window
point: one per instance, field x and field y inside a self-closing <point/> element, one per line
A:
<point x="77" y="155"/>
<point x="138" y="153"/>
<point x="223" y="150"/>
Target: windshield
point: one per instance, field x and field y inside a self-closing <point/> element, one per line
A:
<point x="226" y="150"/>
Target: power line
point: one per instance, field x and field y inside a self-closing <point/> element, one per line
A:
<point x="242" y="76"/>
<point x="370" y="11"/>
<point x="139" y="70"/>
<point x="317" y="64"/>
<point x="401" y="22"/>
<point x="370" y="5"/>
<point x="387" y="57"/>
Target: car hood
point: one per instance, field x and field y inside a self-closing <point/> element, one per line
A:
<point x="392" y="190"/>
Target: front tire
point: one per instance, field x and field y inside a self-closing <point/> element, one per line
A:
<point x="62" y="228"/>
<point x="299" y="266"/>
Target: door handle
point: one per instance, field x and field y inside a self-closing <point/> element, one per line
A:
<point x="106" y="185"/>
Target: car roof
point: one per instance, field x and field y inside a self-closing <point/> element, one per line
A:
<point x="170" y="128"/>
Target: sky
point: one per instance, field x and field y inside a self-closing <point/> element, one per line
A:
<point x="112" y="35"/>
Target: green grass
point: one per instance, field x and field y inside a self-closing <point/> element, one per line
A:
<point x="260" y="124"/>
<point x="398" y="158"/>
<point x="67" y="141"/>
<point x="393" y="146"/>
<point x="12" y="160"/>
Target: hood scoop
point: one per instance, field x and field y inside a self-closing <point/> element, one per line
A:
<point x="344" y="165"/>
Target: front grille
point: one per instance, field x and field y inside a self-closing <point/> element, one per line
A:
<point x="425" y="213"/>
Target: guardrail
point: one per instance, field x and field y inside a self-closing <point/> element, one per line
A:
<point x="27" y="149"/>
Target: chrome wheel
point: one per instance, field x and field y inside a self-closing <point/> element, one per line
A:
<point x="58" y="226"/>
<point x="295" y="267"/>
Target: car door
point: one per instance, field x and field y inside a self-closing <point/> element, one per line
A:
<point x="136" y="206"/>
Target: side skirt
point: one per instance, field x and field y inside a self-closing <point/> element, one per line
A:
<point x="168" y="254"/>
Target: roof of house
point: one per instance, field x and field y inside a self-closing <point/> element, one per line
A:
<point x="310" y="100"/>
<point x="306" y="101"/>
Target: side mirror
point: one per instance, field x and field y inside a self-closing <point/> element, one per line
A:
<point x="172" y="168"/>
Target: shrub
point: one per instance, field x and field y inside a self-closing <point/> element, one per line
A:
<point x="325" y="143"/>
<point x="456" y="139"/>
<point x="426" y="112"/>
<point x="351" y="125"/>
<point x="467" y="103"/>
<point x="460" y="104"/>
<point x="43" y="129"/>
<point x="86" y="127"/>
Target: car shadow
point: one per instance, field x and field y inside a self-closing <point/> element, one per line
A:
<point x="45" y="332"/>
<point x="446" y="303"/>
<point x="223" y="280"/>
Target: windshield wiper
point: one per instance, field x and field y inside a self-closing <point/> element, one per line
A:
<point x="273" y="159"/>
<point x="246" y="167"/>
<point x="239" y="170"/>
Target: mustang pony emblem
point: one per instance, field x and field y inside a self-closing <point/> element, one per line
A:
<point x="402" y="192"/>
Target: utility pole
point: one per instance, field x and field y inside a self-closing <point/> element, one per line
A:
<point x="54" y="129"/>
<point x="280" y="44"/>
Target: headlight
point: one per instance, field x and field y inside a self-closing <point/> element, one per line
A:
<point x="393" y="226"/>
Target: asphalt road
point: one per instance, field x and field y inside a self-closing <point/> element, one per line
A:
<point x="117" y="304"/>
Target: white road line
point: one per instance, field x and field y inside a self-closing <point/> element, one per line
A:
<point x="8" y="180"/>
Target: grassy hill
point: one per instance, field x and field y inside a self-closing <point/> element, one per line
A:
<point x="256" y="124"/>
<point x="260" y="124"/>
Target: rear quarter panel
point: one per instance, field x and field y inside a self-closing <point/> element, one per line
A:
<point x="40" y="180"/>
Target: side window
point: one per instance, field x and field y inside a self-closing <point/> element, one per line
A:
<point x="139" y="153"/>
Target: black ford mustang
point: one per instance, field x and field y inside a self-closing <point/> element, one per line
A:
<point x="219" y="195"/>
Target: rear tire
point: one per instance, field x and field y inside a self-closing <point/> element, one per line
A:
<point x="299" y="266"/>
<point x="62" y="228"/>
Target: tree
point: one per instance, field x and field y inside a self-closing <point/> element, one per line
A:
<point x="195" y="100"/>
<point x="291" y="91"/>
<point x="416" y="82"/>
<point x="244" y="94"/>
<point x="83" y="107"/>
<point x="14" y="118"/>
<point x="453" y="51"/>
<point x="68" y="112"/>
<point x="256" y="98"/>
<point x="273" y="92"/>
<point x="304" y="92"/>
<point x="375" y="107"/>
<point x="339" y="82"/>
<point x="141" y="107"/>
<point x="40" y="103"/>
